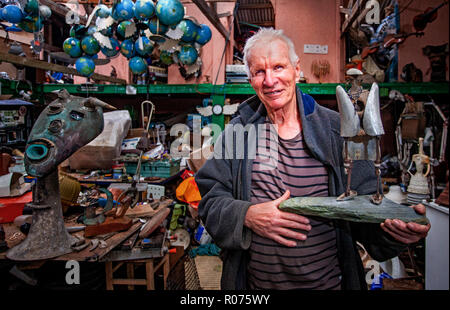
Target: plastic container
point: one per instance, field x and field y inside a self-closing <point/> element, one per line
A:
<point x="160" y="169"/>
<point x="12" y="207"/>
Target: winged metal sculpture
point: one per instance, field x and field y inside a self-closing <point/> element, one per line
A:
<point x="361" y="128"/>
<point x="228" y="109"/>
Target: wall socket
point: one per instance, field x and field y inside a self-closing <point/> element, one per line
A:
<point x="315" y="49"/>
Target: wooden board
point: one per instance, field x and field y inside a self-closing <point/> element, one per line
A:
<point x="99" y="253"/>
<point x="44" y="65"/>
<point x="145" y="209"/>
<point x="13" y="236"/>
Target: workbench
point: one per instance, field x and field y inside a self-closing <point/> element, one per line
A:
<point x="112" y="256"/>
<point x="153" y="259"/>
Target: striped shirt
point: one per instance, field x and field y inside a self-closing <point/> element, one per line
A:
<point x="313" y="263"/>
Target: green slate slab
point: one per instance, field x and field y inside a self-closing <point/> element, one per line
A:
<point x="358" y="209"/>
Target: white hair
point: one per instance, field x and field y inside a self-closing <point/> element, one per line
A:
<point x="268" y="35"/>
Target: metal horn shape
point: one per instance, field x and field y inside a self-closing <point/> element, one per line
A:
<point x="350" y="125"/>
<point x="62" y="93"/>
<point x="93" y="102"/>
<point x="373" y="126"/>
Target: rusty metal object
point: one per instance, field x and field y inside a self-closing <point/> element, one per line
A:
<point x="64" y="126"/>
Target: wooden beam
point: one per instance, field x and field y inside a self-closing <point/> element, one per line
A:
<point x="226" y="14"/>
<point x="212" y="17"/>
<point x="352" y="16"/>
<point x="39" y="64"/>
<point x="51" y="48"/>
<point x="250" y="6"/>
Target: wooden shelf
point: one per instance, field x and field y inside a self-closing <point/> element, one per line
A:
<point x="243" y="89"/>
<point x="10" y="87"/>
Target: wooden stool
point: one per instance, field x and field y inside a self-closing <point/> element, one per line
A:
<point x="150" y="270"/>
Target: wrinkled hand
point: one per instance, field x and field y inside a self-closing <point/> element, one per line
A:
<point x="407" y="232"/>
<point x="268" y="221"/>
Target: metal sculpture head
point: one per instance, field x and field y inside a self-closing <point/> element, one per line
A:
<point x="65" y="125"/>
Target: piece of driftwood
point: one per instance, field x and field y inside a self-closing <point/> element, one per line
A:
<point x="358" y="209"/>
<point x="147" y="209"/>
<point x="109" y="225"/>
<point x="154" y="222"/>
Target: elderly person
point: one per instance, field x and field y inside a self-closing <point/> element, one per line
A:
<point x="263" y="247"/>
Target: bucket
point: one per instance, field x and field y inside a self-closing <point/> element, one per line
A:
<point x="69" y="189"/>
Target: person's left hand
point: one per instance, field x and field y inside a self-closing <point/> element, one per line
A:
<point x="407" y="232"/>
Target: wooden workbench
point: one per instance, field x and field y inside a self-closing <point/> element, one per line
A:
<point x="153" y="259"/>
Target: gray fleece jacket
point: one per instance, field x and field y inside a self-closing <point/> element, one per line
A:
<point x="224" y="182"/>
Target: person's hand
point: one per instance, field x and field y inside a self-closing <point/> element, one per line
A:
<point x="407" y="232"/>
<point x="268" y="221"/>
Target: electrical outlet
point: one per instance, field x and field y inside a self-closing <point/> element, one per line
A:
<point x="315" y="49"/>
<point x="323" y="49"/>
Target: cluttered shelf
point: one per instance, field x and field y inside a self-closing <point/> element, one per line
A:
<point x="244" y="89"/>
<point x="12" y="87"/>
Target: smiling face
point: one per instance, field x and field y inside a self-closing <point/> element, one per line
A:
<point x="272" y="75"/>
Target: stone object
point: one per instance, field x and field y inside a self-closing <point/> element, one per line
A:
<point x="359" y="209"/>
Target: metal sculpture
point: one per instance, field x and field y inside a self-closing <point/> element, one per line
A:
<point x="63" y="127"/>
<point x="361" y="128"/>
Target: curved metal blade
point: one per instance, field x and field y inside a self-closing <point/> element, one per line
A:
<point x="373" y="126"/>
<point x="350" y="125"/>
<point x="92" y="102"/>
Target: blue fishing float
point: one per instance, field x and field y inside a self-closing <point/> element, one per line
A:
<point x="85" y="66"/>
<point x="203" y="34"/>
<point x="169" y="12"/>
<point x="144" y="9"/>
<point x="138" y="65"/>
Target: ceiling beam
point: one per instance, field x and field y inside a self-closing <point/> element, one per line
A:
<point x="39" y="64"/>
<point x="353" y="15"/>
<point x="212" y="17"/>
<point x="250" y="6"/>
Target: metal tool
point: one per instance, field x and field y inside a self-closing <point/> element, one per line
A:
<point x="130" y="197"/>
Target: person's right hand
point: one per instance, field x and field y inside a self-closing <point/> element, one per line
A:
<point x="268" y="221"/>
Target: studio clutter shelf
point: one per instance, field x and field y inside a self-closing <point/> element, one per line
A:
<point x="244" y="89"/>
<point x="10" y="87"/>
